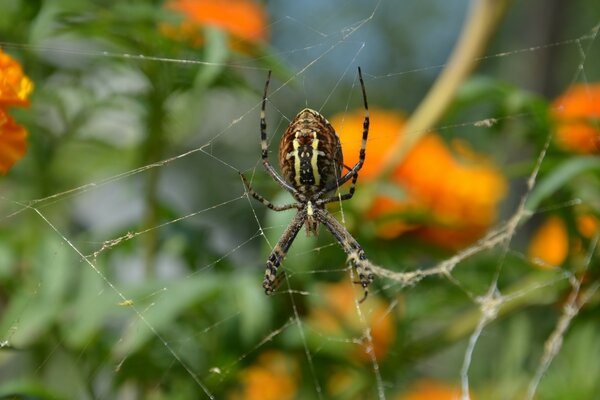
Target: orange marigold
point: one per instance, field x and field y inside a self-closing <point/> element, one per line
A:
<point x="577" y="115"/>
<point x="274" y="376"/>
<point x="244" y="20"/>
<point x="13" y="142"/>
<point x="338" y="313"/>
<point x="446" y="201"/>
<point x="15" y="87"/>
<point x="549" y="245"/>
<point x="587" y="225"/>
<point x="431" y="390"/>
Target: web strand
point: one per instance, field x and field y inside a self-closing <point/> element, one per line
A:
<point x="489" y="305"/>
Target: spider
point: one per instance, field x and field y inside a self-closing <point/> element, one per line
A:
<point x="311" y="162"/>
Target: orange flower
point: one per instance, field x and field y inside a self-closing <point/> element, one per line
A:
<point x="383" y="133"/>
<point x="12" y="142"/>
<point x="431" y="390"/>
<point x="446" y="200"/>
<point x="577" y="115"/>
<point x="549" y="245"/>
<point x="338" y="314"/>
<point x="15" y="87"/>
<point x="273" y="377"/>
<point x="244" y="20"/>
<point x="587" y="225"/>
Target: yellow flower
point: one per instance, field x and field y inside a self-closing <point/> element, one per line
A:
<point x="431" y="390"/>
<point x="448" y="201"/>
<point x="244" y="20"/>
<point x="577" y="115"/>
<point x="549" y="245"/>
<point x="274" y="376"/>
<point x="337" y="314"/>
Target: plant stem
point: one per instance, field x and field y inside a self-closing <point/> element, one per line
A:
<point x="483" y="19"/>
<point x="153" y="152"/>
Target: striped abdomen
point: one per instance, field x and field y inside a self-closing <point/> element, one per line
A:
<point x="310" y="154"/>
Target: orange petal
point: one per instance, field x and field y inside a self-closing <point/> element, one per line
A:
<point x="337" y="315"/>
<point x="587" y="225"/>
<point x="549" y="245"/>
<point x="576" y="113"/>
<point x="13" y="142"/>
<point x="427" y="389"/>
<point x="580" y="101"/>
<point x="244" y="19"/>
<point x="385" y="129"/>
<point x="578" y="136"/>
<point x="15" y="87"/>
<point x="274" y="376"/>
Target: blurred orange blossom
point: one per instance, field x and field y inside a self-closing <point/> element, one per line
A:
<point x="337" y="314"/>
<point x="427" y="389"/>
<point x="549" y="244"/>
<point x="15" y="88"/>
<point x="587" y="225"/>
<point x="577" y="116"/>
<point x="274" y="376"/>
<point x="245" y="20"/>
<point x="455" y="197"/>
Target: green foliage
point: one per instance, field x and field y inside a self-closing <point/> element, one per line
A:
<point x="131" y="262"/>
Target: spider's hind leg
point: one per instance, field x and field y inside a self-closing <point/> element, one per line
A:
<point x="356" y="255"/>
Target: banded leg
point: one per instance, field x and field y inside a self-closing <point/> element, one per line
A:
<point x="362" y="154"/>
<point x="264" y="145"/>
<point x="280" y="250"/>
<point x="266" y="202"/>
<point x="345" y="196"/>
<point x="356" y="255"/>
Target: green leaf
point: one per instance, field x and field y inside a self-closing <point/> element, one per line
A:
<point x="254" y="307"/>
<point x="559" y="177"/>
<point x="26" y="389"/>
<point x="27" y="318"/>
<point x="40" y="300"/>
<point x="90" y="310"/>
<point x="162" y="313"/>
<point x="216" y="53"/>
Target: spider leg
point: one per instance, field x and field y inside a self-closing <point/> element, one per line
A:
<point x="362" y="154"/>
<point x="264" y="145"/>
<point x="345" y="196"/>
<point x="356" y="255"/>
<point x="280" y="250"/>
<point x="266" y="202"/>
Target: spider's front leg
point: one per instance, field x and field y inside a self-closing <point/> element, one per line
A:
<point x="266" y="202"/>
<point x="280" y="250"/>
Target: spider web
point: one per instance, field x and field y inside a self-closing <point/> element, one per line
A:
<point x="311" y="45"/>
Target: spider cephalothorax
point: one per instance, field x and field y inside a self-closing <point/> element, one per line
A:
<point x="311" y="161"/>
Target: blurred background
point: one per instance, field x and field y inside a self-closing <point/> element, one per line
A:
<point x="131" y="258"/>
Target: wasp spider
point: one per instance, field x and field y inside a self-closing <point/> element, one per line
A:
<point x="311" y="162"/>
